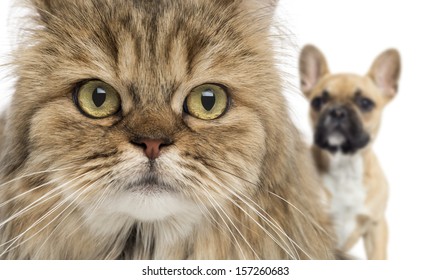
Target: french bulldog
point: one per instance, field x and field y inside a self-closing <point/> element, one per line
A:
<point x="346" y="112"/>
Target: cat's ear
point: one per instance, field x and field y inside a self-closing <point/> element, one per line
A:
<point x="385" y="72"/>
<point x="263" y="10"/>
<point x="312" y="67"/>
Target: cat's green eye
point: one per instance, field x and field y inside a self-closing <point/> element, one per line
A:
<point x="97" y="99"/>
<point x="207" y="102"/>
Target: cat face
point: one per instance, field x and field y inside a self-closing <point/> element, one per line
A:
<point x="147" y="109"/>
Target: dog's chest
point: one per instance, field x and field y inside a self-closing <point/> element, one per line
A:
<point x="344" y="181"/>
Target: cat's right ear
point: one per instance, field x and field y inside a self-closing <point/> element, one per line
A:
<point x="312" y="67"/>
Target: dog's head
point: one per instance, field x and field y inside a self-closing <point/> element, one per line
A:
<point x="346" y="108"/>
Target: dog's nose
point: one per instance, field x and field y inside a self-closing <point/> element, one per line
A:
<point x="339" y="113"/>
<point x="152" y="147"/>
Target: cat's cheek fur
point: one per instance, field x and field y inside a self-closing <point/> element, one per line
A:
<point x="81" y="138"/>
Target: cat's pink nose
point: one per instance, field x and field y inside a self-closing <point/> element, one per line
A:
<point x="152" y="147"/>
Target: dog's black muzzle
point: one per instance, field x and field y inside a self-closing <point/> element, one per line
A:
<point x="343" y="121"/>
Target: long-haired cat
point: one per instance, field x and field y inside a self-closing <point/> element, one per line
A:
<point x="154" y="130"/>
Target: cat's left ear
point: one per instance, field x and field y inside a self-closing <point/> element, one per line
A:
<point x="263" y="10"/>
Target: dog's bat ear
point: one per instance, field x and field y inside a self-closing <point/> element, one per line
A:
<point x="385" y="72"/>
<point x="312" y="67"/>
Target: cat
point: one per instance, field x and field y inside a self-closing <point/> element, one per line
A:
<point x="154" y="130"/>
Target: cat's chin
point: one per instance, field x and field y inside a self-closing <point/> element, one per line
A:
<point x="144" y="205"/>
<point x="163" y="209"/>
<point x="167" y="213"/>
<point x="149" y="206"/>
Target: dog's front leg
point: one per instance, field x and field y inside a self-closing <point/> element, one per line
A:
<point x="375" y="240"/>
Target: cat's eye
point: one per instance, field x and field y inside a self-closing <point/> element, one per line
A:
<point x="97" y="99"/>
<point x="207" y="102"/>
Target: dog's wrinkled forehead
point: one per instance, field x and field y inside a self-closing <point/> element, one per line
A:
<point x="343" y="87"/>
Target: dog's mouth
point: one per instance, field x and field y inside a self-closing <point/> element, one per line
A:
<point x="336" y="139"/>
<point x="345" y="135"/>
<point x="338" y="142"/>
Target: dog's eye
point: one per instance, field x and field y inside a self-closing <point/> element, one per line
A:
<point x="317" y="103"/>
<point x="365" y="104"/>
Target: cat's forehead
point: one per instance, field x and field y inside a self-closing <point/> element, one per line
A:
<point x="147" y="45"/>
<point x="174" y="43"/>
<point x="146" y="50"/>
<point x="150" y="30"/>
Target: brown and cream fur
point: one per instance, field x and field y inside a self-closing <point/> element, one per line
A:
<point x="238" y="187"/>
<point x="355" y="183"/>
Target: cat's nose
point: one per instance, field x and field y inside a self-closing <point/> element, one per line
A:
<point x="152" y="147"/>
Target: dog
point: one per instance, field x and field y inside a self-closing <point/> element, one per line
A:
<point x="345" y="112"/>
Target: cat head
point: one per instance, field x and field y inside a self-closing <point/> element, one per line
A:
<point x="148" y="108"/>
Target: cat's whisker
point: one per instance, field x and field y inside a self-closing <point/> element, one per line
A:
<point x="208" y="215"/>
<point x="218" y="226"/>
<point x="258" y="224"/>
<point x="206" y="212"/>
<point x="98" y="203"/>
<point x="308" y="217"/>
<point x="33" y="174"/>
<point x="217" y="182"/>
<point x="100" y="200"/>
<point x="272" y="224"/>
<point x="81" y="191"/>
<point x="234" y="175"/>
<point x="23" y="211"/>
<point x="224" y="162"/>
<point x="30" y="191"/>
<point x="217" y="206"/>
<point x="276" y="228"/>
<point x="319" y="229"/>
<point x="291" y="204"/>
<point x="46" y="197"/>
<point x="66" y="217"/>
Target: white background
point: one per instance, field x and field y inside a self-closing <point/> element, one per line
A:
<point x="351" y="34"/>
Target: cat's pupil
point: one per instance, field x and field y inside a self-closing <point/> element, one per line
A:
<point x="99" y="96"/>
<point x="208" y="99"/>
